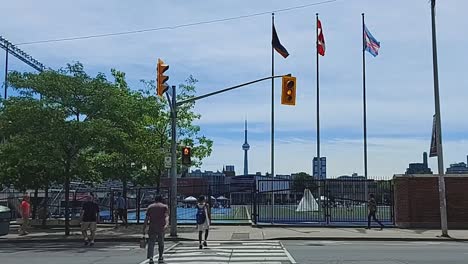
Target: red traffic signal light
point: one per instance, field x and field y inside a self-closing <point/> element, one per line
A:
<point x="186" y="156"/>
<point x="288" y="92"/>
<point x="161" y="79"/>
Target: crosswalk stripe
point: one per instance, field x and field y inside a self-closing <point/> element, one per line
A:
<point x="224" y="252"/>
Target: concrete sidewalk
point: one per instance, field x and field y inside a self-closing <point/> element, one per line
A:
<point x="134" y="233"/>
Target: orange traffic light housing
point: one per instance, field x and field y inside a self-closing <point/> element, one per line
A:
<point x="161" y="79"/>
<point x="187" y="156"/>
<point x="288" y="92"/>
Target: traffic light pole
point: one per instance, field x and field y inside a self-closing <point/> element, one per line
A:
<point x="228" y="89"/>
<point x="173" y="215"/>
<point x="173" y="105"/>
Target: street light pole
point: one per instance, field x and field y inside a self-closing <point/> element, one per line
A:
<point x="440" y="156"/>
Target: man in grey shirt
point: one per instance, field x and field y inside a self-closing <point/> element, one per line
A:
<point x="157" y="216"/>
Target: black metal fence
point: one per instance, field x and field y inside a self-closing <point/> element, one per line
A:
<point x="322" y="202"/>
<point x="262" y="201"/>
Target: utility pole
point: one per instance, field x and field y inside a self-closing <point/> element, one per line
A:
<point x="440" y="156"/>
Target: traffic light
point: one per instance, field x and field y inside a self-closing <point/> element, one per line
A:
<point x="186" y="156"/>
<point x="161" y="79"/>
<point x="288" y="94"/>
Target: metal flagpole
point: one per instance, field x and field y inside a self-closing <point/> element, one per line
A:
<point x="318" y="101"/>
<point x="272" y="104"/>
<point x="364" y="104"/>
<point x="272" y="115"/>
<point x="440" y="156"/>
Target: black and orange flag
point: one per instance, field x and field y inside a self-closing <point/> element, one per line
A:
<point x="275" y="42"/>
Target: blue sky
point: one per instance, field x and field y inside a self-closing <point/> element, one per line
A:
<point x="399" y="81"/>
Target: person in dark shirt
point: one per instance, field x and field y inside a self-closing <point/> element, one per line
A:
<point x="157" y="217"/>
<point x="89" y="217"/>
<point x="372" y="205"/>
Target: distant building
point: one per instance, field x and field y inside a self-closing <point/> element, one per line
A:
<point x="419" y="168"/>
<point x="323" y="168"/>
<point x="353" y="176"/>
<point x="215" y="180"/>
<point x="458" y="168"/>
<point x="229" y="171"/>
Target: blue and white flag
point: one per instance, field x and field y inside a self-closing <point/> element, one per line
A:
<point x="370" y="43"/>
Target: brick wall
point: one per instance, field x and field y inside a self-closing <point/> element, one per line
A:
<point x="417" y="201"/>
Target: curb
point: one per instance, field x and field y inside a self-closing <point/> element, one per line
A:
<point x="425" y="239"/>
<point x="180" y="239"/>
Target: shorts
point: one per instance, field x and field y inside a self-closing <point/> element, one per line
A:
<point x="203" y="227"/>
<point x="88" y="225"/>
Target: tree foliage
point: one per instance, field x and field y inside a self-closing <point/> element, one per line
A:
<point x="303" y="181"/>
<point x="66" y="125"/>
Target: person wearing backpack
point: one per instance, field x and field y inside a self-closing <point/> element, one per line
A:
<point x="203" y="221"/>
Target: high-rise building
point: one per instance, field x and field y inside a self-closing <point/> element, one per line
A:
<point x="419" y="168"/>
<point x="246" y="148"/>
<point x="323" y="168"/>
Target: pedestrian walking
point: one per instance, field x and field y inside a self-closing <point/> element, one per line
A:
<point x="89" y="217"/>
<point x="203" y="221"/>
<point x="120" y="210"/>
<point x="25" y="209"/>
<point x="372" y="207"/>
<point x="157" y="217"/>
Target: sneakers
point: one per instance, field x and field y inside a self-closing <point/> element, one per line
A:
<point x="86" y="242"/>
<point x="92" y="243"/>
<point x="151" y="261"/>
<point x="205" y="244"/>
<point x="200" y="247"/>
<point x="161" y="260"/>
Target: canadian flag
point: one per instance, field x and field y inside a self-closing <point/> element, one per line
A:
<point x="320" y="39"/>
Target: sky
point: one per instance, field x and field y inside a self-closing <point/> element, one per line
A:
<point x="399" y="81"/>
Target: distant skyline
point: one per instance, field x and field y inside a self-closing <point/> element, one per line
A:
<point x="400" y="102"/>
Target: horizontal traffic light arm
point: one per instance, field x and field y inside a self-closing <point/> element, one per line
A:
<point x="228" y="89"/>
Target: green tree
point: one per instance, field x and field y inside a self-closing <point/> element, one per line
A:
<point x="303" y="181"/>
<point x="79" y="106"/>
<point x="90" y="129"/>
<point x="155" y="139"/>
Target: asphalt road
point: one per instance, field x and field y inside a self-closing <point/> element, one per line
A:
<point x="313" y="252"/>
<point x="355" y="252"/>
<point x="73" y="253"/>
